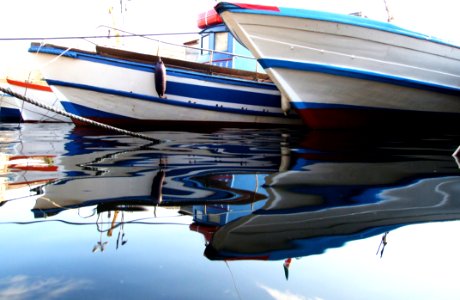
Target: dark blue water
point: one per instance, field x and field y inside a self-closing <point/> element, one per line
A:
<point x="228" y="214"/>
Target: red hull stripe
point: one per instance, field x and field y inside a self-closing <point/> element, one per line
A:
<point x="29" y="85"/>
<point x="257" y="7"/>
<point x="375" y="118"/>
<point x="211" y="17"/>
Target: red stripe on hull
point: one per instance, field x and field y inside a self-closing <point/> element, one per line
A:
<point x="28" y="85"/>
<point x="370" y="119"/>
<point x="257" y="7"/>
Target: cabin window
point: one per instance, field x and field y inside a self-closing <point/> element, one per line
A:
<point x="205" y="44"/>
<point x="221" y="41"/>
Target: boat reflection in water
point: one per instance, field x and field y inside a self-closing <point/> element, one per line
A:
<point x="25" y="167"/>
<point x="254" y="194"/>
<point x="196" y="170"/>
<point x="339" y="187"/>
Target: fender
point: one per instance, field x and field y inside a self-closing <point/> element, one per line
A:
<point x="160" y="78"/>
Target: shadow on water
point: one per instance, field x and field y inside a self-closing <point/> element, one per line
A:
<point x="254" y="194"/>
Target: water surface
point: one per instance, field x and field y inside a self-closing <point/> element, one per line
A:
<point x="228" y="214"/>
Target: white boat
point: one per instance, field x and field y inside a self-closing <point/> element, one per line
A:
<point x="118" y="87"/>
<point x="9" y="110"/>
<point x="275" y="232"/>
<point x="15" y="185"/>
<point x="41" y="92"/>
<point x="345" y="71"/>
<point x="337" y="187"/>
<point x="147" y="177"/>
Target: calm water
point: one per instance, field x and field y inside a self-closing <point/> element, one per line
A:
<point x="228" y="214"/>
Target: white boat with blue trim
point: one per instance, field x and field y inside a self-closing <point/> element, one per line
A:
<point x="345" y="71"/>
<point x="118" y="87"/>
<point x="37" y="89"/>
<point x="9" y="110"/>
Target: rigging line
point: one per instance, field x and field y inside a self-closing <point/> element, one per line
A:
<point x="52" y="117"/>
<point x="52" y="60"/>
<point x="101" y="159"/>
<point x="93" y="36"/>
<point x="43" y="115"/>
<point x="233" y="280"/>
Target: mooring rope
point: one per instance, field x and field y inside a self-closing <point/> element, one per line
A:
<point x="73" y="116"/>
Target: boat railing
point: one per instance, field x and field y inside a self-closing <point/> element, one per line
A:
<point x="212" y="52"/>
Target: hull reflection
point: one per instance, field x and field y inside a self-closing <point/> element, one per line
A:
<point x="338" y="188"/>
<point x="276" y="233"/>
<point x="168" y="174"/>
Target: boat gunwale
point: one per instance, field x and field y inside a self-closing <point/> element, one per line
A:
<point x="334" y="18"/>
<point x="150" y="60"/>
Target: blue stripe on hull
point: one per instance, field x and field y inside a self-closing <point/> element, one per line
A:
<point x="312" y="105"/>
<point x="10" y="114"/>
<point x="223" y="95"/>
<point x="87" y="112"/>
<point x="221" y="79"/>
<point x="358" y="74"/>
<point x="95" y="58"/>
<point x="212" y="107"/>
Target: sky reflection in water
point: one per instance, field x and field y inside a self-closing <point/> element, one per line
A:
<point x="229" y="214"/>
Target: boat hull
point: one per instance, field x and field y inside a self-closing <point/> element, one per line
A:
<point x="342" y="71"/>
<point x="44" y="95"/>
<point x="126" y="95"/>
<point x="9" y="111"/>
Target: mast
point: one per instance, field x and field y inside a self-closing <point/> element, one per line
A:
<point x="389" y="15"/>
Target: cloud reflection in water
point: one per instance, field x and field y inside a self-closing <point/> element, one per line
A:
<point x="26" y="287"/>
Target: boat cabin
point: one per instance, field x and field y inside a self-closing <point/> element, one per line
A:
<point x="224" y="48"/>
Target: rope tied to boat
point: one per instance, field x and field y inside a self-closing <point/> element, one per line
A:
<point x="73" y="116"/>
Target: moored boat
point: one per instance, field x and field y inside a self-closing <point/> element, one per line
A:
<point x="9" y="110"/>
<point x="274" y="232"/>
<point x="14" y="185"/>
<point x="345" y="71"/>
<point x="126" y="93"/>
<point x="41" y="92"/>
<point x="168" y="174"/>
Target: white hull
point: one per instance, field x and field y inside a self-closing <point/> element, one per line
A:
<point x="126" y="94"/>
<point x="318" y="230"/>
<point x="127" y="176"/>
<point x="8" y="103"/>
<point x="9" y="110"/>
<point x="142" y="110"/>
<point x="329" y="63"/>
<point x="33" y="113"/>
